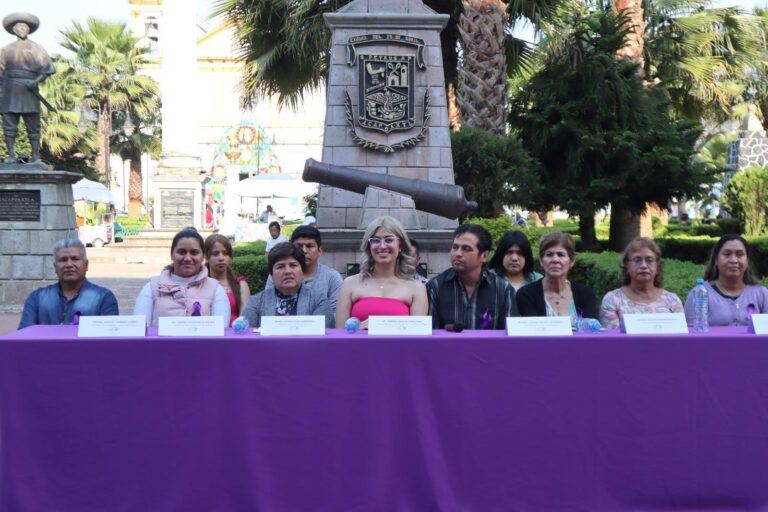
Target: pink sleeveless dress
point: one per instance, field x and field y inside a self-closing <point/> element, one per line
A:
<point x="379" y="306"/>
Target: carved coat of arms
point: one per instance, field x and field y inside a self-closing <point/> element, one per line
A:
<point x="386" y="92"/>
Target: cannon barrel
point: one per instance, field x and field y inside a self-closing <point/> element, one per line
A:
<point x="438" y="198"/>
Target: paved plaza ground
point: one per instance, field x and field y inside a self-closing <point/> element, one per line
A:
<point x="124" y="279"/>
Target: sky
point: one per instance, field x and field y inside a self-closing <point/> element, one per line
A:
<point x="56" y="15"/>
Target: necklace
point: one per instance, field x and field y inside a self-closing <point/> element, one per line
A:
<point x="381" y="286"/>
<point x="556" y="297"/>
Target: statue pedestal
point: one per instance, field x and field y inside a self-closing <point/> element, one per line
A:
<point x="178" y="191"/>
<point x="35" y="212"/>
<point x="408" y="32"/>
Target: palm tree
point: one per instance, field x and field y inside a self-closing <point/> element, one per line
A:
<point x="284" y="45"/>
<point x="146" y="138"/>
<point x="106" y="60"/>
<point x="704" y="57"/>
<point x="483" y="76"/>
<point x="59" y="130"/>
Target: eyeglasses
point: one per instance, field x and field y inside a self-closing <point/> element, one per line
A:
<point x="387" y="240"/>
<point x="639" y="261"/>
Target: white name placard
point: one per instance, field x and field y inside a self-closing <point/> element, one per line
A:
<point x="400" y="325"/>
<point x="302" y="325"/>
<point x="190" y="326"/>
<point x="759" y="323"/>
<point x="539" y="326"/>
<point x="112" y="326"/>
<point x="658" y="323"/>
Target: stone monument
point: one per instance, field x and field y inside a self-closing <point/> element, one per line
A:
<point x="750" y="149"/>
<point x="386" y="113"/>
<point x="35" y="212"/>
<point x="35" y="202"/>
<point x="178" y="185"/>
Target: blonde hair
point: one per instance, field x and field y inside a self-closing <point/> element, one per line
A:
<point x="406" y="260"/>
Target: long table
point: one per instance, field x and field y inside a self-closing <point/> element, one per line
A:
<point x="454" y="422"/>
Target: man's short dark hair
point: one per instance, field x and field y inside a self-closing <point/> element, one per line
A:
<point x="274" y="224"/>
<point x="286" y="250"/>
<point x="482" y="234"/>
<point x="307" y="232"/>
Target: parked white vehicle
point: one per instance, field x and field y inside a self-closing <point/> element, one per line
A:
<point x="95" y="236"/>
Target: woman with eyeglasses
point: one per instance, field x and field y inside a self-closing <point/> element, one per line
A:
<point x="641" y="270"/>
<point x="734" y="291"/>
<point x="385" y="284"/>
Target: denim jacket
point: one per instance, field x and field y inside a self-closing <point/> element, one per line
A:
<point x="48" y="306"/>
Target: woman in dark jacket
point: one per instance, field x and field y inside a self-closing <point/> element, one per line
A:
<point x="555" y="295"/>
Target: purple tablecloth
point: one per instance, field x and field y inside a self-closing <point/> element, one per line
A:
<point x="454" y="422"/>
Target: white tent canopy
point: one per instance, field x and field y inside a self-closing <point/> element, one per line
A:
<point x="88" y="190"/>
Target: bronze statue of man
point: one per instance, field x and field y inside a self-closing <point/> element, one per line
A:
<point x="23" y="65"/>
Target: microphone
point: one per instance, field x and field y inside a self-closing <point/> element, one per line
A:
<point x="457" y="327"/>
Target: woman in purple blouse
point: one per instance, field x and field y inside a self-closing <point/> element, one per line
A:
<point x="734" y="291"/>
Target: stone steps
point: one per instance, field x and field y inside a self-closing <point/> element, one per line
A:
<point x="151" y="246"/>
<point x="154" y="238"/>
<point x="117" y="253"/>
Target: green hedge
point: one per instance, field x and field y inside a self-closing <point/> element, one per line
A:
<point x="257" y="248"/>
<point x="723" y="227"/>
<point x="496" y="227"/>
<point x="130" y="222"/>
<point x="500" y="225"/>
<point x="601" y="273"/>
<point x="697" y="250"/>
<point x="255" y="268"/>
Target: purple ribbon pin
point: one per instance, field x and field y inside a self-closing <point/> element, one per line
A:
<point x="486" y="320"/>
<point x="196" y="308"/>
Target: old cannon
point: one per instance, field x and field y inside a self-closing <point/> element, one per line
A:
<point x="438" y="198"/>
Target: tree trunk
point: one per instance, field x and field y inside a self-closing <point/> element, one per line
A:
<point x="104" y="127"/>
<point x="587" y="232"/>
<point x="448" y="39"/>
<point x="135" y="187"/>
<point x="634" y="47"/>
<point x="454" y="113"/>
<point x="483" y="93"/>
<point x="625" y="226"/>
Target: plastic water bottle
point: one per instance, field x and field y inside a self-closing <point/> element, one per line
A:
<point x="700" y="307"/>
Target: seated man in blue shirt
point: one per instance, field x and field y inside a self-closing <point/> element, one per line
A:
<point x="59" y="303"/>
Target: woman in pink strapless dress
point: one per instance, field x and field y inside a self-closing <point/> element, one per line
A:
<point x="385" y="285"/>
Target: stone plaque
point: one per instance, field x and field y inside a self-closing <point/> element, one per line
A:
<point x="20" y="205"/>
<point x="177" y="208"/>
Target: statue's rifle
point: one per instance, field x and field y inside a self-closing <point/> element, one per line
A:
<point x="44" y="101"/>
